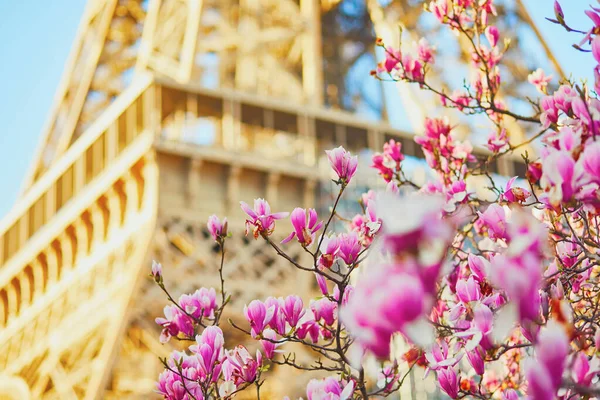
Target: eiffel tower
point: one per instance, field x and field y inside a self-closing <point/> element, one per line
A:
<point x="169" y="111"/>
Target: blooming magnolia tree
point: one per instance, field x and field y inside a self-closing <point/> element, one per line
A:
<point x="497" y="298"/>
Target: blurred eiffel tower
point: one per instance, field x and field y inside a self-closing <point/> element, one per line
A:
<point x="171" y="110"/>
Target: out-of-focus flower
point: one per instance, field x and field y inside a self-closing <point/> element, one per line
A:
<point x="329" y="389"/>
<point x="157" y="271"/>
<point x="448" y="380"/>
<point x="545" y="374"/>
<point x="217" y="229"/>
<point x="539" y="79"/>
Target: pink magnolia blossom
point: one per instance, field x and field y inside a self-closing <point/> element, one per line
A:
<point x="261" y="220"/>
<point x="492" y="34"/>
<point x="366" y="226"/>
<point x="258" y="315"/>
<point x="343" y="163"/>
<point x="563" y="98"/>
<point x="309" y="328"/>
<point x="324" y="309"/>
<point x="388" y="162"/>
<point x="277" y="322"/>
<point x="539" y="79"/>
<point x="216" y="228"/>
<point x="439" y="357"/>
<point x="412" y="68"/>
<point x="174" y="323"/>
<point x="305" y="226"/>
<point x="510" y="394"/>
<point x="559" y="177"/>
<point x="448" y="380"/>
<point x="385" y="301"/>
<point x="420" y="221"/>
<point x="425" y="51"/>
<point x="475" y="358"/>
<point x="497" y="141"/>
<point x="329" y="251"/>
<point x="392" y="59"/>
<point x="468" y="290"/>
<point x="515" y="194"/>
<point x="545" y="375"/>
<point x="209" y="352"/>
<point x="381" y="165"/>
<point x="492" y="221"/>
<point x="387" y="378"/>
<point x="322" y="283"/>
<point x="567" y="252"/>
<point x="590" y="162"/>
<point x="585" y="370"/>
<point x="329" y="389"/>
<point x="269" y="343"/>
<point x="170" y="384"/>
<point x="201" y="303"/>
<point x="240" y="367"/>
<point x="479" y="266"/>
<point x="293" y="309"/>
<point x="519" y="269"/>
<point x="157" y="271"/>
<point x="580" y="110"/>
<point x="549" y="113"/>
<point x="349" y="247"/>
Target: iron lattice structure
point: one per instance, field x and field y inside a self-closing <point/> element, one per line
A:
<point x="168" y="111"/>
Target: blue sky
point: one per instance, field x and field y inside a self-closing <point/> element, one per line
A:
<point x="37" y="40"/>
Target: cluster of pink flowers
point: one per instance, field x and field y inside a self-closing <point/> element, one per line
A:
<point x="408" y="66"/>
<point x="394" y="297"/>
<point x="498" y="297"/>
<point x="367" y="225"/>
<point x="278" y="320"/>
<point x="180" y="318"/>
<point x="570" y="163"/>
<point x="442" y="151"/>
<point x="388" y="162"/>
<point x="207" y="364"/>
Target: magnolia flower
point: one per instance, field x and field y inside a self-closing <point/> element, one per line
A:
<point x="539" y="80"/>
<point x="559" y="177"/>
<point x="258" y="315"/>
<point x="201" y="303"/>
<point x="492" y="34"/>
<point x="468" y="291"/>
<point x="497" y="141"/>
<point x="269" y="343"/>
<point x="343" y="163"/>
<point x="425" y="51"/>
<point x="329" y="389"/>
<point x="174" y="323"/>
<point x="216" y="228"/>
<point x="515" y="194"/>
<point x="448" y="380"/>
<point x="305" y="226"/>
<point x="324" y="309"/>
<point x="492" y="221"/>
<point x="293" y="309"/>
<point x="240" y="367"/>
<point x="545" y="374"/>
<point x="329" y="251"/>
<point x="157" y="271"/>
<point x="349" y="247"/>
<point x="261" y="220"/>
